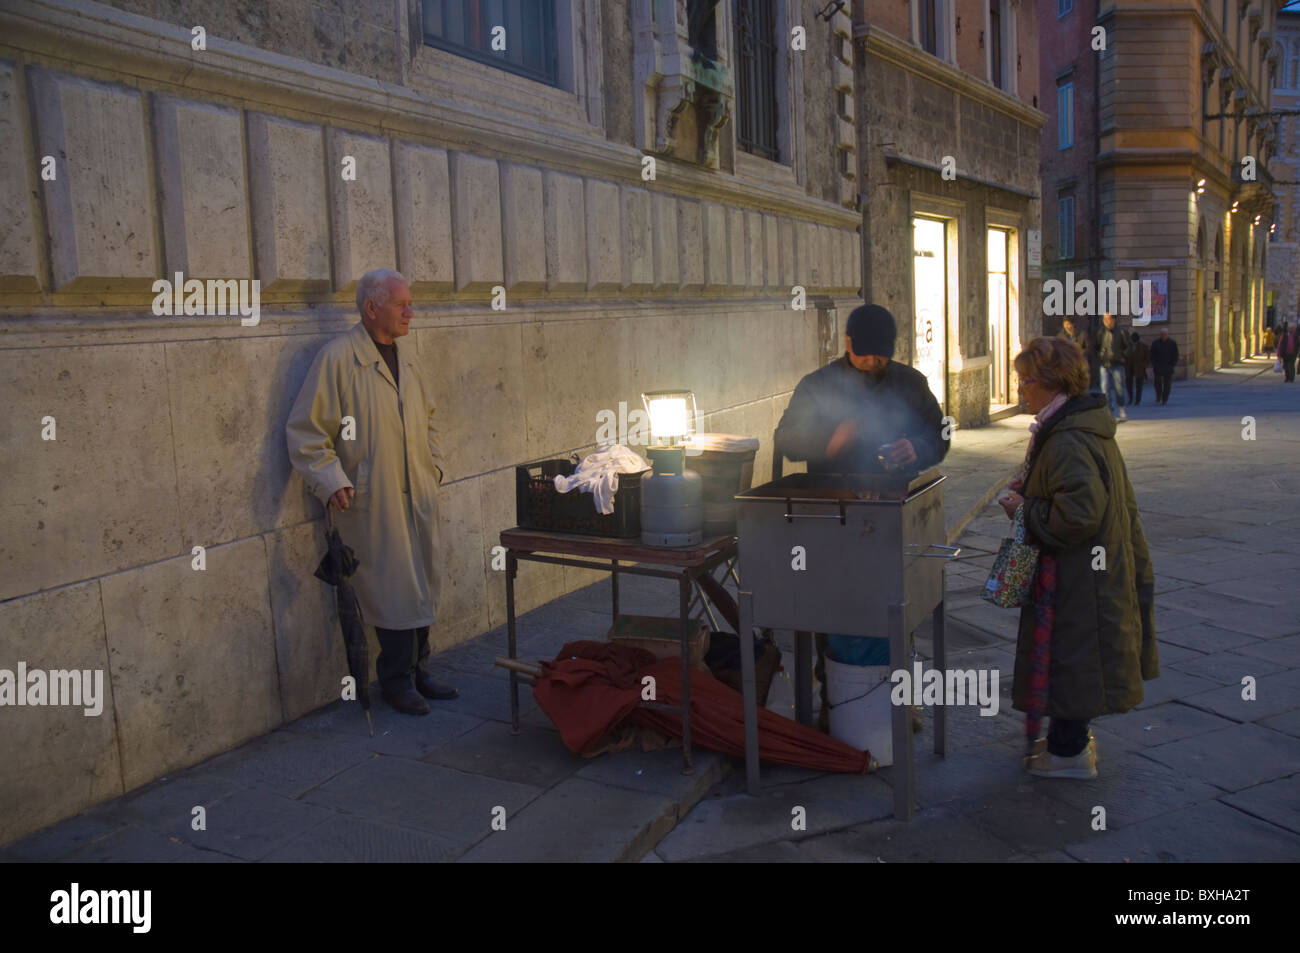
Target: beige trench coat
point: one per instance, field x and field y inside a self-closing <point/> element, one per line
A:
<point x="393" y="462"/>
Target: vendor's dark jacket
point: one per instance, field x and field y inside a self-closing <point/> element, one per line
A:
<point x="898" y="404"/>
<point x="1113" y="346"/>
<point x="1164" y="355"/>
<point x="1078" y="497"/>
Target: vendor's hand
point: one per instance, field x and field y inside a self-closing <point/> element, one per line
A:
<point x="840" y="439"/>
<point x="1016" y="485"/>
<point x="902" y="453"/>
<point x="342" y="499"/>
<point x="1010" y="503"/>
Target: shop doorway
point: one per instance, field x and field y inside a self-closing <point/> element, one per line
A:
<point x="930" y="300"/>
<point x="999" y="318"/>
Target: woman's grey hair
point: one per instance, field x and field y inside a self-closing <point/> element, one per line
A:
<point x="373" y="286"/>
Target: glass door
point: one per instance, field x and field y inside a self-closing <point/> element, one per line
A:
<point x="929" y="294"/>
<point x="999" y="332"/>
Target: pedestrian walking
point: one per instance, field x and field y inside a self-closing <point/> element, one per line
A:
<point x="1078" y="501"/>
<point x="1070" y="331"/>
<point x="1164" y="358"/>
<point x="1288" y="347"/>
<point x="382" y="474"/>
<point x="1270" y="341"/>
<point x="1112" y="348"/>
<point x="1135" y="373"/>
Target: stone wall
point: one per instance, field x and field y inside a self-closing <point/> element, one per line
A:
<point x="169" y="430"/>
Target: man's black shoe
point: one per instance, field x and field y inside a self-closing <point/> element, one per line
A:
<point x="430" y="687"/>
<point x="407" y="701"/>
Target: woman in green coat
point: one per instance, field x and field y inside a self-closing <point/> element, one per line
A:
<point x="1080" y="507"/>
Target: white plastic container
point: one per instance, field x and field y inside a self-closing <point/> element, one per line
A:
<point x="861" y="710"/>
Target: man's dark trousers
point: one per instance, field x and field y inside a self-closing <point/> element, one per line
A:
<point x="1288" y="365"/>
<point x="400" y="651"/>
<point x="1164" y="380"/>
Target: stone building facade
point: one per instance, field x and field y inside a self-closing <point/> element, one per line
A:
<point x="302" y="144"/>
<point x="949" y="162"/>
<point x="1175" y="196"/>
<point x="1282" y="285"/>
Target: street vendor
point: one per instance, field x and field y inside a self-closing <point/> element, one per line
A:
<point x="864" y="412"/>
<point x="362" y="436"/>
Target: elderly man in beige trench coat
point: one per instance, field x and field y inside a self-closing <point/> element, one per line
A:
<point x="362" y="436"/>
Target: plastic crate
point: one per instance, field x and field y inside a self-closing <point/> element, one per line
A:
<point x="539" y="505"/>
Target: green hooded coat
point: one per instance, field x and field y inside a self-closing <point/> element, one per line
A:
<point x="1078" y="497"/>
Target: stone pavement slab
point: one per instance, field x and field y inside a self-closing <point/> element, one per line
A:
<point x="1273" y="801"/>
<point x="1227" y="668"/>
<point x="1159" y="724"/>
<point x="283" y="762"/>
<point x="1288" y="722"/>
<point x="1284" y="651"/>
<point x="1130" y="787"/>
<point x="132" y="844"/>
<point x="64" y="838"/>
<point x="1211" y="833"/>
<point x="1274" y="694"/>
<point x="251" y="824"/>
<point x="1234" y="758"/>
<point x="1205" y="638"/>
<point x="723" y="824"/>
<point x="1172" y="684"/>
<point x="407" y="793"/>
<point x="344" y="838"/>
<point x="580" y="821"/>
<point x="933" y="832"/>
<point x="534" y="756"/>
<point x="658" y="772"/>
<point x="1027" y="819"/>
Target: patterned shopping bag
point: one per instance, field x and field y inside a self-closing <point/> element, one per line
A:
<point x="1013" y="570"/>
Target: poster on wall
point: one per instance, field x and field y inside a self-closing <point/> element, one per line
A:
<point x="1035" y="255"/>
<point x="1159" y="304"/>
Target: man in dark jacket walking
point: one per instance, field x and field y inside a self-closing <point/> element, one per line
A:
<point x="1288" y="347"/>
<point x="1135" y="375"/>
<point x="1164" y="358"/>
<point x="1112" y="350"/>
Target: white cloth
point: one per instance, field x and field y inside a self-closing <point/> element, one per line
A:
<point x="598" y="474"/>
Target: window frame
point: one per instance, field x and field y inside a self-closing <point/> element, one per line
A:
<point x="1064" y="8"/>
<point x="1065" y="252"/>
<point x="759" y="150"/>
<point x="1064" y="124"/>
<point x="548" y="76"/>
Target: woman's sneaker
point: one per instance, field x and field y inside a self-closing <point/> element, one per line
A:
<point x="1082" y="767"/>
<point x="1040" y="746"/>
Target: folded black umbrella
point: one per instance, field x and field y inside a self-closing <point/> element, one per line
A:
<point x="339" y="563"/>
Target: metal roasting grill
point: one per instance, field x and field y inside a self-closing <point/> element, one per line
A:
<point x="873" y="550"/>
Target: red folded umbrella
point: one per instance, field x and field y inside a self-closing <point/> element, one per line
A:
<point x="585" y="697"/>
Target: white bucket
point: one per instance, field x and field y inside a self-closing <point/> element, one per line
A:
<point x="861" y="710"/>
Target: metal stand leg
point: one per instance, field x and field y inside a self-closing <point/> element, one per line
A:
<point x="684" y="593"/>
<point x="512" y="566"/>
<point x="750" y="690"/>
<point x="613" y="584"/>
<point x="941" y="663"/>
<point x="904" y="770"/>
<point x="803" y="677"/>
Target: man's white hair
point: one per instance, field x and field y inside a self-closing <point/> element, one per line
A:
<point x="373" y="286"/>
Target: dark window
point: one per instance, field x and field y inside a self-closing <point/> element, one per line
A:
<point x="995" y="41"/>
<point x="1063" y="7"/>
<point x="468" y="28"/>
<point x="756" y="77"/>
<point x="929" y="22"/>
<point x="702" y="29"/>
<point x="1065" y="222"/>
